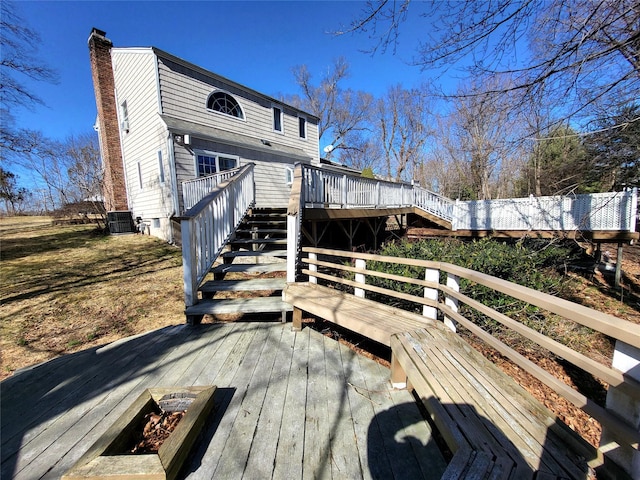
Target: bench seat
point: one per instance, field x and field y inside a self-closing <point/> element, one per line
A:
<point x="366" y="317"/>
<point x="493" y="426"/>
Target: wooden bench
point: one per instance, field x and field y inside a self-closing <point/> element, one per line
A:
<point x="366" y="317"/>
<point x="494" y="428"/>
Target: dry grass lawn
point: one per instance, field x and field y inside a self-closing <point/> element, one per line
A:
<point x="67" y="288"/>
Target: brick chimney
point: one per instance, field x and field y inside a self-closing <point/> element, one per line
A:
<point x="114" y="189"/>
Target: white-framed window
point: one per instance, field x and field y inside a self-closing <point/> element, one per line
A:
<point x="139" y="167"/>
<point x="223" y="102"/>
<point x="302" y="127"/>
<point x="124" y="116"/>
<point x="278" y="119"/>
<point x="208" y="163"/>
<point x="160" y="168"/>
<point x="288" y="176"/>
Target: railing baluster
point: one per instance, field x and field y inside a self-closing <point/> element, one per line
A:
<point x="431" y="275"/>
<point x="360" y="277"/>
<point x="453" y="282"/>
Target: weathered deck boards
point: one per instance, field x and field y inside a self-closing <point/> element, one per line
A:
<point x="479" y="409"/>
<point x="288" y="405"/>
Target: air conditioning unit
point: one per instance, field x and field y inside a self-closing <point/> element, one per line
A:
<point x="120" y="222"/>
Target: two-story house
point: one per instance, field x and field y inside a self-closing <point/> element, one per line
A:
<point x="163" y="121"/>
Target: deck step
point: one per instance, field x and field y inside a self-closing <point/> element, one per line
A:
<point x="273" y="241"/>
<point x="256" y="284"/>
<point x="256" y="253"/>
<point x="250" y="268"/>
<point x="263" y="230"/>
<point x="239" y="305"/>
<point x="275" y="220"/>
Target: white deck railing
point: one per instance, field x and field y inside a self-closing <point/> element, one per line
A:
<point x="195" y="190"/>
<point x="207" y="226"/>
<point x="322" y="188"/>
<point x="613" y="211"/>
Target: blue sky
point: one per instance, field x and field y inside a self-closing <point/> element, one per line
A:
<point x="254" y="43"/>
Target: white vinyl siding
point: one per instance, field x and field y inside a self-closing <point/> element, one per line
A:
<point x="184" y="94"/>
<point x="144" y="148"/>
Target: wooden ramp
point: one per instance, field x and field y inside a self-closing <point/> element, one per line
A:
<point x="288" y="405"/>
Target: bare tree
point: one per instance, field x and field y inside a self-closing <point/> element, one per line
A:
<point x="402" y="119"/>
<point x="485" y="135"/>
<point x="18" y="62"/>
<point x="342" y="113"/>
<point x="66" y="172"/>
<point x="12" y="196"/>
<point x="583" y="53"/>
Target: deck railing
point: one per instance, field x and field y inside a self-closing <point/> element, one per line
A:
<point x="613" y="211"/>
<point x="325" y="188"/>
<point x="207" y="226"/>
<point x="439" y="291"/>
<point x="589" y="212"/>
<point x="195" y="190"/>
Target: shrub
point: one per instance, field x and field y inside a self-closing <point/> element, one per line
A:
<point x="531" y="263"/>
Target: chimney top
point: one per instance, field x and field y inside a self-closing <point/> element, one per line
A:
<point x="101" y="34"/>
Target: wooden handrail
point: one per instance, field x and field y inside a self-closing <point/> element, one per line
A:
<point x="619" y="329"/>
<point x="208" y="225"/>
<point x="608" y="324"/>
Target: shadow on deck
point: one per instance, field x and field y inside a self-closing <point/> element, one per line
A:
<point x="288" y="405"/>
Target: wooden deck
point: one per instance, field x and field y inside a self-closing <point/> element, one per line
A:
<point x="288" y="405"/>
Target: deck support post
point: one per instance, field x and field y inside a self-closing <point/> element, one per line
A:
<point x="453" y="282"/>
<point x="626" y="358"/>
<point x="398" y="375"/>
<point x="360" y="277"/>
<point x="431" y="275"/>
<point x="296" y="325"/>
<point x="618" y="276"/>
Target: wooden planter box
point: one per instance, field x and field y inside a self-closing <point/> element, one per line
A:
<point x="105" y="461"/>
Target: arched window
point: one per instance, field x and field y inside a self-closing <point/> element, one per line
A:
<point x="224" y="103"/>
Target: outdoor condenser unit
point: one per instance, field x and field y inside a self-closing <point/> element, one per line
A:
<point x="120" y="222"/>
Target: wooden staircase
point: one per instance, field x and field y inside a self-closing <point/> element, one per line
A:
<point x="249" y="277"/>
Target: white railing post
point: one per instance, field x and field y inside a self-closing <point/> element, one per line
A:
<point x="361" y="264"/>
<point x="313" y="268"/>
<point x="626" y="358"/>
<point x="453" y="282"/>
<point x="431" y="275"/>
<point x="297" y="201"/>
<point x="293" y="232"/>
<point x="189" y="268"/>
